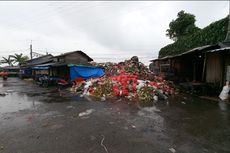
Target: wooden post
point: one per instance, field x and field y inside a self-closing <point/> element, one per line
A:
<point x="204" y="67"/>
<point x="194" y="71"/>
<point x="222" y="57"/>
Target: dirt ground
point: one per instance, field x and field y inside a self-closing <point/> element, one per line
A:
<point x="41" y="120"/>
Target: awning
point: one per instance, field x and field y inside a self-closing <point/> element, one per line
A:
<point x="42" y="66"/>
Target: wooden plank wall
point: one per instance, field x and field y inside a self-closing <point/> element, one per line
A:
<point x="227" y="63"/>
<point x="214" y="68"/>
<point x="75" y="58"/>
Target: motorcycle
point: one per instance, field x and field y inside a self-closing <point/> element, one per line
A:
<point x="43" y="81"/>
<point x="4" y="77"/>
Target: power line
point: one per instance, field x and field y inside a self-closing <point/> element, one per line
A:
<point x="100" y="20"/>
<point x="109" y="17"/>
<point x="47" y="16"/>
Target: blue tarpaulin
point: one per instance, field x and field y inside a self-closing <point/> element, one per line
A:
<point x="85" y="72"/>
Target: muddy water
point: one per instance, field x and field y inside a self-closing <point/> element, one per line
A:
<point x="184" y="123"/>
<point x="13" y="102"/>
<point x="196" y="121"/>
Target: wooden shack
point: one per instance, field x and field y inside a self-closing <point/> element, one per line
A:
<point x="218" y="66"/>
<point x="75" y="57"/>
<point x="187" y="66"/>
<point x="61" y="69"/>
<point x="207" y="64"/>
<point x="27" y="70"/>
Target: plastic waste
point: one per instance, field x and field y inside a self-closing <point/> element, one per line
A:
<point x="224" y="93"/>
<point x="130" y="79"/>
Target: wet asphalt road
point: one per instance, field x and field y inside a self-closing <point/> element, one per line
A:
<point x="40" y="120"/>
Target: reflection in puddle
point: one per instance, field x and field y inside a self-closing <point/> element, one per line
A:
<point x="223" y="106"/>
<point x="14" y="102"/>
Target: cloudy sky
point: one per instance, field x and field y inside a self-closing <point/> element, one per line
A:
<point x="104" y="30"/>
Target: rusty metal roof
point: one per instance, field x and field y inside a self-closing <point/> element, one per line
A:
<point x="79" y="51"/>
<point x="206" y="47"/>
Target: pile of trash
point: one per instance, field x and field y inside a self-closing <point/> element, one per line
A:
<point x="132" y="66"/>
<point x="130" y="79"/>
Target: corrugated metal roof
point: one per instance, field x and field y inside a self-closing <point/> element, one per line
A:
<point x="40" y="60"/>
<point x="68" y="64"/>
<point x="220" y="49"/>
<point x="79" y="51"/>
<point x="188" y="52"/>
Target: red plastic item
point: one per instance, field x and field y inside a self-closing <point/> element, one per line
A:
<point x="78" y="80"/>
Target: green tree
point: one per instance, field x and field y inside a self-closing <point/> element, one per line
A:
<point x="184" y="25"/>
<point x="19" y="58"/>
<point x="7" y="60"/>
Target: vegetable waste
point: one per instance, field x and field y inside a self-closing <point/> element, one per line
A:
<point x="130" y="80"/>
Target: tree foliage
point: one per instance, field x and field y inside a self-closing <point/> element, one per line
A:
<point x="7" y="60"/>
<point x="183" y="26"/>
<point x="19" y="58"/>
<point x="16" y="58"/>
<point x="212" y="34"/>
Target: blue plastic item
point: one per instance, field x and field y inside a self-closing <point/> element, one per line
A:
<point x="40" y="67"/>
<point x="85" y="72"/>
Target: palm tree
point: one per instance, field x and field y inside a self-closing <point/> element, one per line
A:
<point x="19" y="58"/>
<point x="8" y="60"/>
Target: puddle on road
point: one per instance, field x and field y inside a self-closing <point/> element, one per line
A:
<point x="14" y="102"/>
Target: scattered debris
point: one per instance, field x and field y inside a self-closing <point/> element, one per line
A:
<point x="3" y="94"/>
<point x="172" y="150"/>
<point x="70" y="107"/>
<point x="2" y="147"/>
<point x="103" y="138"/>
<point x="92" y="138"/>
<point x="6" y="118"/>
<point x="9" y="91"/>
<point x="133" y="126"/>
<point x="46" y="124"/>
<point x="183" y="102"/>
<point x="111" y="123"/>
<point x="59" y="115"/>
<point x="30" y="118"/>
<point x="87" y="112"/>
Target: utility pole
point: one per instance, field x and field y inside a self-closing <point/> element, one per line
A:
<point x="31" y="51"/>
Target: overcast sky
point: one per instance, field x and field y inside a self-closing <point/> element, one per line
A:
<point x="107" y="29"/>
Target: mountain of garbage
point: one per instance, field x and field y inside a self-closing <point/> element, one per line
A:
<point x="131" y="80"/>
